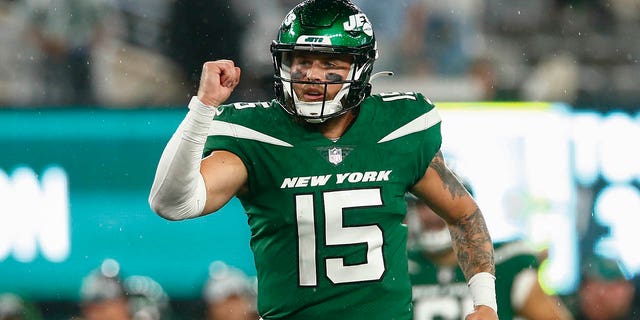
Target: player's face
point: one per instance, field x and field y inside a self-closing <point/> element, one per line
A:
<point x="232" y="308"/>
<point x="606" y="299"/>
<point x="318" y="67"/>
<point x="107" y="310"/>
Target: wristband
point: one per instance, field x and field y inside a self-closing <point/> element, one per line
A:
<point x="483" y="290"/>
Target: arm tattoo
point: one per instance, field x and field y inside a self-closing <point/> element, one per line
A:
<point x="473" y="244"/>
<point x="471" y="239"/>
<point x="449" y="180"/>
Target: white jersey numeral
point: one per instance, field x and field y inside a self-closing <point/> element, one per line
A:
<point x="337" y="234"/>
<point x="443" y="307"/>
<point x="244" y="105"/>
<point x="392" y="96"/>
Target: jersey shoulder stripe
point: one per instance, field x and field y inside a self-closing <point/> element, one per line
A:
<point x="251" y="121"/>
<point x="221" y="128"/>
<point x="420" y="123"/>
<point x="398" y="114"/>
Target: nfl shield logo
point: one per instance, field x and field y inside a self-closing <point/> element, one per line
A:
<point x="335" y="155"/>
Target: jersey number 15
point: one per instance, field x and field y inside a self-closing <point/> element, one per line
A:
<point x="337" y="234"/>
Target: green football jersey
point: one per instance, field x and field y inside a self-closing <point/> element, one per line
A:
<point x="441" y="293"/>
<point x="326" y="217"/>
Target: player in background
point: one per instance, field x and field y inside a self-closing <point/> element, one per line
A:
<point x="605" y="292"/>
<point x="229" y="294"/>
<point x="439" y="287"/>
<point x="15" y="307"/>
<point x="321" y="172"/>
<point x="147" y="299"/>
<point x="103" y="297"/>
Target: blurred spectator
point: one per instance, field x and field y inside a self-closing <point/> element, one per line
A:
<point x="66" y="32"/>
<point x="16" y="84"/>
<point x="131" y="64"/>
<point x="626" y="10"/>
<point x="263" y="21"/>
<point x="441" y="38"/>
<point x="229" y="294"/>
<point x="12" y="307"/>
<point x="386" y="21"/>
<point x="604" y="293"/>
<point x="483" y="74"/>
<point x="147" y="299"/>
<point x="599" y="12"/>
<point x="102" y="294"/>
<point x="203" y="30"/>
<point x="553" y="79"/>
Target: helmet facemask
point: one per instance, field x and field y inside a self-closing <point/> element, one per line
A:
<point x="354" y="88"/>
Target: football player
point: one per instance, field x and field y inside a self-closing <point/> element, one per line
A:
<point x="147" y="299"/>
<point x="229" y="294"/>
<point x="439" y="286"/>
<point x="14" y="307"/>
<point x="103" y="297"/>
<point x="321" y="172"/>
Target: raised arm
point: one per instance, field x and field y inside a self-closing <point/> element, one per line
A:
<point x="185" y="186"/>
<point x="446" y="195"/>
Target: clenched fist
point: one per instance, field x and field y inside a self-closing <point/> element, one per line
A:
<point x="217" y="81"/>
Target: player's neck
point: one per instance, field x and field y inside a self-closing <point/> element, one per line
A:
<point x="334" y="128"/>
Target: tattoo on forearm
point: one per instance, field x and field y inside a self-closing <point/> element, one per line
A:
<point x="449" y="180"/>
<point x="470" y="235"/>
<point x="473" y="245"/>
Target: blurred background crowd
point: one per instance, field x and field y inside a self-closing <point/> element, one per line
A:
<point x="132" y="53"/>
<point x="141" y="54"/>
<point x="109" y="293"/>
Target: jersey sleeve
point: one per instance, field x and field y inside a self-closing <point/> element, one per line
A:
<point x="222" y="133"/>
<point x="516" y="255"/>
<point x="410" y="125"/>
<point x="418" y="121"/>
<point x="432" y="135"/>
<point x="513" y="260"/>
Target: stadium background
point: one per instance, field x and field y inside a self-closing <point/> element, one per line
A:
<point x="540" y="100"/>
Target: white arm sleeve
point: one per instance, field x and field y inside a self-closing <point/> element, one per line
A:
<point x="178" y="191"/>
